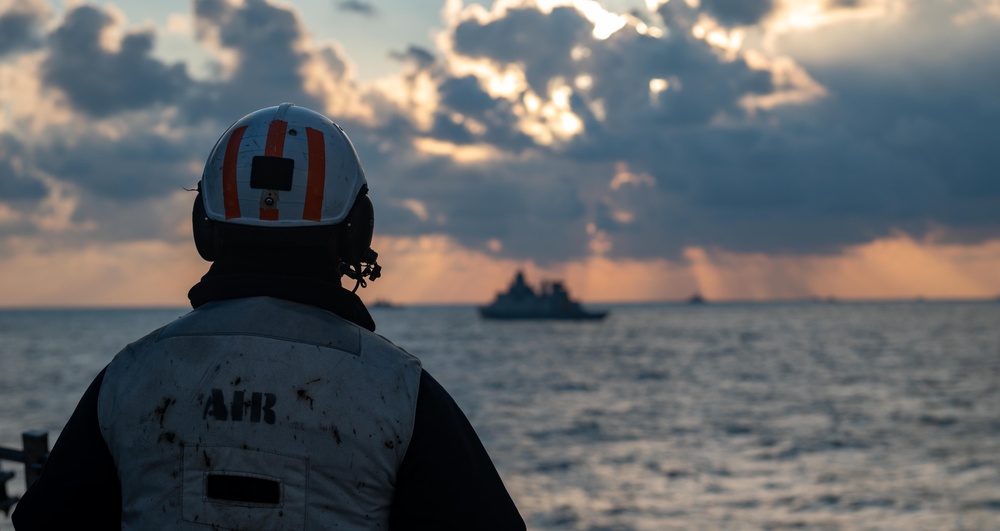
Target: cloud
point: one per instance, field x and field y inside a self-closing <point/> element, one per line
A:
<point x="141" y="164"/>
<point x="268" y="50"/>
<point x="540" y="43"/>
<point x="569" y="107"/>
<point x="358" y="7"/>
<point x="418" y="55"/>
<point x="539" y="134"/>
<point x="467" y="114"/>
<point x="267" y="43"/>
<point x="101" y="81"/>
<point x="743" y="12"/>
<point x="21" y="25"/>
<point x="845" y="4"/>
<point x="141" y="273"/>
<point x="136" y="131"/>
<point x="619" y="86"/>
<point x="979" y="9"/>
<point x="744" y="150"/>
<point x="16" y="180"/>
<point x="931" y="113"/>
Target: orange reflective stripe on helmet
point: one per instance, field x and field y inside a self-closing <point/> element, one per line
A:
<point x="316" y="180"/>
<point x="230" y="194"/>
<point x="276" y="139"/>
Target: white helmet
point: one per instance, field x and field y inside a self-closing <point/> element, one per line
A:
<point x="282" y="166"/>
<point x="285" y="175"/>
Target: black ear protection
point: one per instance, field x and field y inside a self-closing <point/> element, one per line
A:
<point x="205" y="235"/>
<point x="358" y="259"/>
<point x="354" y="237"/>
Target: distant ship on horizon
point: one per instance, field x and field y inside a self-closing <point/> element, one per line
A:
<point x="696" y="299"/>
<point x="520" y="301"/>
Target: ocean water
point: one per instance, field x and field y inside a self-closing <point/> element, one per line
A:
<point x="719" y="416"/>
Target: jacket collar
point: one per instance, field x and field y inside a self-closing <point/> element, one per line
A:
<point x="305" y="280"/>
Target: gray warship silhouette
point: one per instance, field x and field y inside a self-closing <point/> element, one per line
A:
<point x="521" y="302"/>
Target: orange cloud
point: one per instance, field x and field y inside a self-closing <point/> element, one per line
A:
<point x="901" y="267"/>
<point x="898" y="267"/>
<point x="149" y="273"/>
<point x="434" y="269"/>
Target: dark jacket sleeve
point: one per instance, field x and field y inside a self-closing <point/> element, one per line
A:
<point x="79" y="486"/>
<point x="447" y="480"/>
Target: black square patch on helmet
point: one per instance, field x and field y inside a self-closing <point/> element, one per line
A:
<point x="271" y="173"/>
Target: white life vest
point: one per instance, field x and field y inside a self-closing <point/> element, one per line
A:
<point x="258" y="413"/>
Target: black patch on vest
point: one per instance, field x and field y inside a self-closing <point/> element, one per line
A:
<point x="242" y="489"/>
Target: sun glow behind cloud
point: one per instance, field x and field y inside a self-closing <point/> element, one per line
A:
<point x="458" y="153"/>
<point x="547" y="118"/>
<point x="797" y="15"/>
<point x="727" y="41"/>
<point x="552" y="120"/>
<point x="605" y="22"/>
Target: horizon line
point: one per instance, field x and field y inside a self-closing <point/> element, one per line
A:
<point x="678" y="302"/>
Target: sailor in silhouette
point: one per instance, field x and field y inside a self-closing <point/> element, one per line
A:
<point x="273" y="404"/>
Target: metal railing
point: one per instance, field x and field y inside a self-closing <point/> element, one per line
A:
<point x="34" y="453"/>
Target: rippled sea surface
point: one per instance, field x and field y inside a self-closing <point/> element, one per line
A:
<point x="717" y="416"/>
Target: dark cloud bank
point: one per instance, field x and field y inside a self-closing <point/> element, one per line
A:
<point x="21" y="26"/>
<point x="912" y="151"/>
<point x="898" y="153"/>
<point x="101" y="82"/>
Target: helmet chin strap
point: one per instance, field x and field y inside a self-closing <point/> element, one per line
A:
<point x="367" y="267"/>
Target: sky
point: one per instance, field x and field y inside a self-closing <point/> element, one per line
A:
<point x="638" y="150"/>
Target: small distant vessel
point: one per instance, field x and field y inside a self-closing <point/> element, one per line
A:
<point x="521" y="302"/>
<point x="382" y="303"/>
<point x="696" y="299"/>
